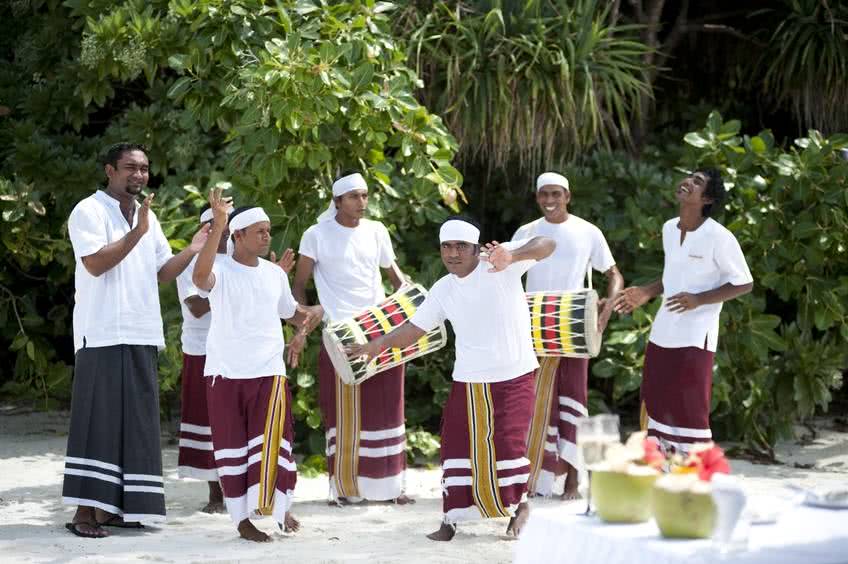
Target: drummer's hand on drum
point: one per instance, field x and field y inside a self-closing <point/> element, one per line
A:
<point x="605" y="307"/>
<point x="369" y="350"/>
<point x="294" y="348"/>
<point x="631" y="298"/>
<point x="496" y="255"/>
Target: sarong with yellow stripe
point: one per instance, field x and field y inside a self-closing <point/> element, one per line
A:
<point x="484" y="434"/>
<point x="365" y="433"/>
<point x="252" y="434"/>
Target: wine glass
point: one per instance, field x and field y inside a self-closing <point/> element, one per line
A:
<point x="594" y="436"/>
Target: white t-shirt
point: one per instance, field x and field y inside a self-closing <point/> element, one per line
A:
<point x="245" y="335"/>
<point x="490" y="319"/>
<point x="347" y="265"/>
<point x="578" y="244"/>
<point x="121" y="306"/>
<point x="195" y="329"/>
<point x="709" y="257"/>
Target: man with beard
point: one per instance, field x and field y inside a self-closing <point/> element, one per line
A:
<point x="113" y="467"/>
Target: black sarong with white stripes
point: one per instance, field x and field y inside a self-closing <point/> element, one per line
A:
<point x="114" y="459"/>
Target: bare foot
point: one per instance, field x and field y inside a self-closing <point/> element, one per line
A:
<point x="403" y="499"/>
<point x="339" y="502"/>
<point x="570" y="490"/>
<point x="445" y="533"/>
<point x="248" y="531"/>
<point x="214" y="507"/>
<point x="517" y="523"/>
<point x="290" y="524"/>
<point x="216" y="499"/>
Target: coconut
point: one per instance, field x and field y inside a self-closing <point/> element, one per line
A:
<point x="683" y="507"/>
<point x="623" y="497"/>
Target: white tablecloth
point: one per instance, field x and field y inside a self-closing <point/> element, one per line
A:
<point x="802" y="535"/>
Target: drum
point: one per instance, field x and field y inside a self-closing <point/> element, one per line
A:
<point x="565" y="323"/>
<point x="375" y="322"/>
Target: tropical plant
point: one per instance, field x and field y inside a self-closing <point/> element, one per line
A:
<point x="529" y="82"/>
<point x="805" y="62"/>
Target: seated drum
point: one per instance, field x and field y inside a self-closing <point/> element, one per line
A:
<point x="565" y="323"/>
<point x="372" y="323"/>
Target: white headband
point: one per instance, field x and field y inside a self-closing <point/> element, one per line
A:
<point x="341" y="187"/>
<point x="458" y="230"/>
<point x="347" y="183"/>
<point x="248" y="218"/>
<point x="208" y="215"/>
<point x="551" y="178"/>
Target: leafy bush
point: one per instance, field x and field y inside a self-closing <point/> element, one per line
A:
<point x="782" y="347"/>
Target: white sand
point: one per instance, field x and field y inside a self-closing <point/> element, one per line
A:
<point x="32" y="447"/>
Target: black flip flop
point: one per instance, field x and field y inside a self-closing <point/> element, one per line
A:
<point x="73" y="527"/>
<point x="119" y="523"/>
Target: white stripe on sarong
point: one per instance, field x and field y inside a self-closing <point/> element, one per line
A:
<point x="92" y="462"/>
<point x="93" y="474"/>
<point x="382" y="434"/>
<point x="573" y="404"/>
<point x="679" y="431"/>
<point x="196" y="429"/>
<point x="287" y="464"/>
<point x="568" y="417"/>
<point x="144" y="478"/>
<point x="239" y="452"/>
<point x="197" y="445"/>
<point x="373" y="435"/>
<point x="552" y="430"/>
<point x="375" y="452"/>
<point x="465" y="464"/>
<point x="148" y="489"/>
<point x="455" y="481"/>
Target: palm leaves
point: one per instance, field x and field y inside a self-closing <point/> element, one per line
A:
<point x="531" y="81"/>
<point x="805" y="64"/>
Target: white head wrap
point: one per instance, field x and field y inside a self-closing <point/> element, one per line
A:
<point x="341" y="187"/>
<point x="458" y="230"/>
<point x="206" y="215"/>
<point x="551" y="178"/>
<point x="245" y="219"/>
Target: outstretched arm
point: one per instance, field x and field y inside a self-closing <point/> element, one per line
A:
<point x="637" y="296"/>
<point x="615" y="283"/>
<point x="398" y="338"/>
<point x="499" y="257"/>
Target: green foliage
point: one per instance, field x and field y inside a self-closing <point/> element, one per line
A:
<point x="535" y="82"/>
<point x="781" y="348"/>
<point x="274" y="99"/>
<point x="805" y="62"/>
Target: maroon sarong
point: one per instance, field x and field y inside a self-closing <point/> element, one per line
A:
<point x="252" y="432"/>
<point x="195" y="456"/>
<point x="676" y="392"/>
<point x="484" y="447"/>
<point x="365" y="432"/>
<point x="561" y="395"/>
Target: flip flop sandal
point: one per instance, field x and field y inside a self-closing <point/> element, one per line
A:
<point x="74" y="528"/>
<point x="119" y="523"/>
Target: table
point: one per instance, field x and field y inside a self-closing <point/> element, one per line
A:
<point x="802" y="535"/>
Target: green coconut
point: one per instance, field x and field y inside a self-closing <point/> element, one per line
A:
<point x="683" y="512"/>
<point x="623" y="497"/>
